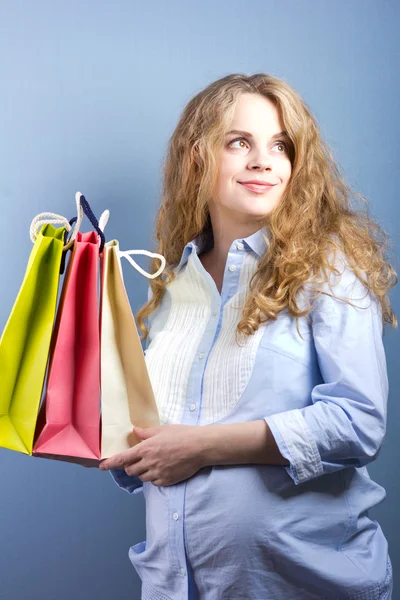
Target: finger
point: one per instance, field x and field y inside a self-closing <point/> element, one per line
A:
<point x="113" y="462"/>
<point x="160" y="482"/>
<point x="118" y="461"/>
<point x="136" y="469"/>
<point x="145" y="476"/>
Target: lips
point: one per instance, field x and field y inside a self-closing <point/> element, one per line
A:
<point x="259" y="188"/>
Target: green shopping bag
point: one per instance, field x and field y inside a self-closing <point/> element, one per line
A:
<point x="25" y="343"/>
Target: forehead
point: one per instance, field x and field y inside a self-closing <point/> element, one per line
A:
<point x="255" y="114"/>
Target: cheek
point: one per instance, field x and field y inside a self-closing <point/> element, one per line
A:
<point x="226" y="179"/>
<point x="286" y="171"/>
<point x="230" y="166"/>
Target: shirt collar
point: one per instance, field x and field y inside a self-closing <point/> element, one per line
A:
<point x="203" y="242"/>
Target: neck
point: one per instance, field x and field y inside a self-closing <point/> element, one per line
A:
<point x="223" y="238"/>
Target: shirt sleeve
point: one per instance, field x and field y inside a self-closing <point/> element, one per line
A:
<point x="345" y="423"/>
<point x="132" y="485"/>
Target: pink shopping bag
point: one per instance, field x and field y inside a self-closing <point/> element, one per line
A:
<point x="68" y="426"/>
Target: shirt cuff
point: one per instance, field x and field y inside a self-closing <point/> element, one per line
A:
<point x="132" y="485"/>
<point x="296" y="444"/>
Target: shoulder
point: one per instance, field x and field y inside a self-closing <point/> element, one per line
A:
<point x="341" y="289"/>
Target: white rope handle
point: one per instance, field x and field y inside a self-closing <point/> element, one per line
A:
<point x="105" y="215"/>
<point x="127" y="253"/>
<point x="50" y="218"/>
<point x="45" y="218"/>
<point x="80" y="215"/>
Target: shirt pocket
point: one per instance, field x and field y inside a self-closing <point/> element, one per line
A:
<point x="290" y="368"/>
<point x="302" y="358"/>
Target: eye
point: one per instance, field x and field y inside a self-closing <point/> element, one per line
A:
<point x="242" y="139"/>
<point x="281" y="144"/>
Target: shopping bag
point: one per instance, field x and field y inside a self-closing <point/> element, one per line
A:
<point x="127" y="397"/>
<point x="25" y="342"/>
<point x="68" y="425"/>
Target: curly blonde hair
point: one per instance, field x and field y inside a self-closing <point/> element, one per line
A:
<point x="313" y="217"/>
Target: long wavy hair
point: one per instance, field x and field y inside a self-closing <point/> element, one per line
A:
<point x="313" y="217"/>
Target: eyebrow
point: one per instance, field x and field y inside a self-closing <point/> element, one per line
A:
<point x="250" y="136"/>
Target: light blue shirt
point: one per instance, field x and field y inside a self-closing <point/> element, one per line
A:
<point x="267" y="532"/>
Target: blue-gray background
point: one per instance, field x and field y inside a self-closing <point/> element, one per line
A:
<point x="90" y="93"/>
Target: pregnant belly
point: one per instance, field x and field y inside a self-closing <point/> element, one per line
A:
<point x="232" y="507"/>
<point x="246" y="519"/>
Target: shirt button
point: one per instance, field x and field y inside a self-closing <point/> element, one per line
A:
<point x="192" y="406"/>
<point x="175" y="516"/>
<point x="240" y="246"/>
<point x="232" y="268"/>
<point x="215" y="313"/>
<point x="201" y="355"/>
<point x="183" y="572"/>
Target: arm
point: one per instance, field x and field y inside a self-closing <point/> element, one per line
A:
<point x="346" y="422"/>
<point x="239" y="443"/>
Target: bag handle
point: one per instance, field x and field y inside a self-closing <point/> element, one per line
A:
<point x="50" y="218"/>
<point x="66" y="243"/>
<point x="104" y="219"/>
<point x="126" y="254"/>
<point x="88" y="212"/>
<point x="82" y="207"/>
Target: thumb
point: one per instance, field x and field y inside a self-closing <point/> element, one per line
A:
<point x="144" y="432"/>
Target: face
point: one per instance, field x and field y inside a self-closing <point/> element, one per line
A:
<point x="260" y="154"/>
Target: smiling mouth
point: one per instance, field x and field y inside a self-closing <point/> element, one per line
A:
<point x="257" y="188"/>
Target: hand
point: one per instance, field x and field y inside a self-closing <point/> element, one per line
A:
<point x="166" y="455"/>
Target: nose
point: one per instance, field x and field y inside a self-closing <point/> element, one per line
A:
<point x="260" y="160"/>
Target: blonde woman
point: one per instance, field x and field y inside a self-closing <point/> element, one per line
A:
<point x="264" y="349"/>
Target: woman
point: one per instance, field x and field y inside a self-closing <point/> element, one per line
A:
<point x="266" y="358"/>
